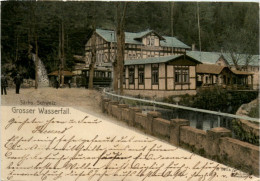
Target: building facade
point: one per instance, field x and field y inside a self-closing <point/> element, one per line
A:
<point x="251" y="71"/>
<point x="211" y="74"/>
<point x="137" y="46"/>
<point x="160" y="76"/>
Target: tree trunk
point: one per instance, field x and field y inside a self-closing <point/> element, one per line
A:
<point x="62" y="54"/>
<point x="36" y="63"/>
<point x="172" y="5"/>
<point x="93" y="59"/>
<point x="120" y="46"/>
<point x="121" y="62"/>
<point x="115" y="75"/>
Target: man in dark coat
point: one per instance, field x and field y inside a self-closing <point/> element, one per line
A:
<point x="57" y="83"/>
<point x="17" y="81"/>
<point x="4" y="84"/>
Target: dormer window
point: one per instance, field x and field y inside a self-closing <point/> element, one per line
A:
<point x="150" y="41"/>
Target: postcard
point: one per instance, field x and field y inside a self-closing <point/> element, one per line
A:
<point x="129" y="91"/>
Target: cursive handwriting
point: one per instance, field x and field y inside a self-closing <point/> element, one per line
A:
<point x="81" y="147"/>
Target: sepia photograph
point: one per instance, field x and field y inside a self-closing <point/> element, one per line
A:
<point x="129" y="91"/>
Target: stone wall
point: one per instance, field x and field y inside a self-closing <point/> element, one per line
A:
<point x="246" y="129"/>
<point x="215" y="144"/>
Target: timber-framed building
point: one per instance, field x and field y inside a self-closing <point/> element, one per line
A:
<point x="137" y="46"/>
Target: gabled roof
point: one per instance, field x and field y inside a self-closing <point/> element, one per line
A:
<point x="152" y="60"/>
<point x="213" y="57"/>
<point x="144" y="33"/>
<point x="134" y="38"/>
<point x="205" y="57"/>
<point x="254" y="61"/>
<point x="173" y="42"/>
<point x="209" y="69"/>
<point x="109" y="36"/>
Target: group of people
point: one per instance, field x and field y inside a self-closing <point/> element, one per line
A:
<point x="4" y="84"/>
<point x="57" y="83"/>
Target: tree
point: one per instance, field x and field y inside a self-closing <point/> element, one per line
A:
<point x="120" y="35"/>
<point x="93" y="49"/>
<point x="33" y="7"/>
<point x="93" y="58"/>
<point x="239" y="47"/>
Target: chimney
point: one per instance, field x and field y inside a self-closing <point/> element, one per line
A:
<point x="193" y="47"/>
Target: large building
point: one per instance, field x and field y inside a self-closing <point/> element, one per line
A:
<point x="157" y="65"/>
<point x="137" y="46"/>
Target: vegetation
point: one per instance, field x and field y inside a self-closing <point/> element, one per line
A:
<point x="244" y="135"/>
<point x="254" y="112"/>
<point x="215" y="99"/>
<point x="26" y="24"/>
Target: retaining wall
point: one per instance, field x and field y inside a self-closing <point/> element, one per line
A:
<point x="216" y="143"/>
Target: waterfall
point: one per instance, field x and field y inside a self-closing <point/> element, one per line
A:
<point x="42" y="73"/>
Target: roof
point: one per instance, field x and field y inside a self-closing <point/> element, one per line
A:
<point x="152" y="60"/>
<point x="132" y="38"/>
<point x="209" y="68"/>
<point x="253" y="62"/>
<point x="238" y="72"/>
<point x="205" y="57"/>
<point x="216" y="69"/>
<point x="173" y="42"/>
<point x="213" y="57"/>
<point x="64" y="72"/>
<point x="143" y="33"/>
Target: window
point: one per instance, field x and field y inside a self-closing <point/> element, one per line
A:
<point x="152" y="41"/>
<point x="124" y="76"/>
<point x="155" y="73"/>
<point x="131" y="74"/>
<point x="109" y="75"/>
<point x="148" y="41"/>
<point x="141" y="74"/>
<point x="181" y="75"/>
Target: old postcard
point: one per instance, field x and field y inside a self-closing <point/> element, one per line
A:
<point x="129" y="91"/>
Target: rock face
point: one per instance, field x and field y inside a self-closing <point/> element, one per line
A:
<point x="248" y="130"/>
<point x="42" y="73"/>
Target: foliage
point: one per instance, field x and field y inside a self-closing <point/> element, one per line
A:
<point x="254" y="112"/>
<point x="216" y="18"/>
<point x="218" y="99"/>
<point x="243" y="135"/>
<point x="215" y="99"/>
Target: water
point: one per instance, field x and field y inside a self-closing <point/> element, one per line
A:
<point x="197" y="120"/>
<point x="42" y="73"/>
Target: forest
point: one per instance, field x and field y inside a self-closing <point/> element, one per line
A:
<point x="222" y="25"/>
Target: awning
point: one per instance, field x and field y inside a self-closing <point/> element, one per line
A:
<point x="64" y="72"/>
<point x="238" y="72"/>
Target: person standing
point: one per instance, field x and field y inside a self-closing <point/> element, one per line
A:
<point x="69" y="82"/>
<point x="57" y="83"/>
<point x="17" y="81"/>
<point x="4" y="84"/>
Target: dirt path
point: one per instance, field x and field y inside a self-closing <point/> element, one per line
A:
<point x="79" y="98"/>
